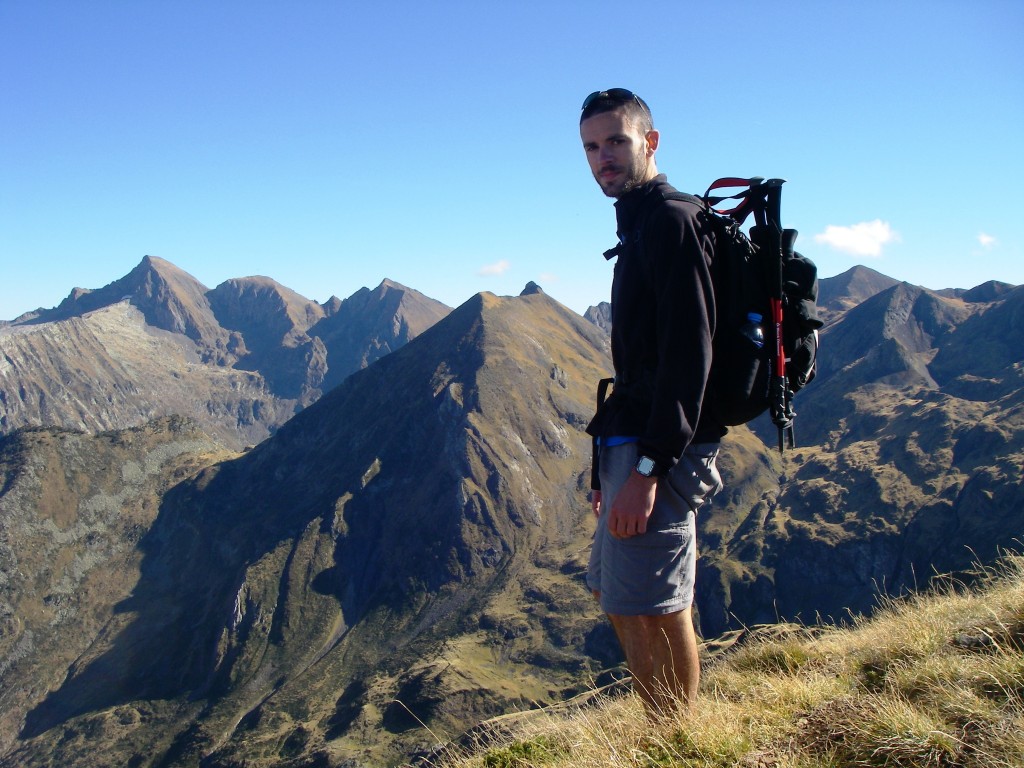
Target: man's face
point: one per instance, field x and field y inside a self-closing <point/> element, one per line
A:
<point x="620" y="156"/>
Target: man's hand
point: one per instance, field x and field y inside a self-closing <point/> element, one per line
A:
<point x="595" y="503"/>
<point x="632" y="506"/>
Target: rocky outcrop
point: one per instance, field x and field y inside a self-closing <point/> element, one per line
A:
<point x="601" y="316"/>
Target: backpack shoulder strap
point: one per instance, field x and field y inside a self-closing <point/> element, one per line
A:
<point x="661" y="195"/>
<point x="685" y="197"/>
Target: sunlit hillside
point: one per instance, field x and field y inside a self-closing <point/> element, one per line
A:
<point x="932" y="680"/>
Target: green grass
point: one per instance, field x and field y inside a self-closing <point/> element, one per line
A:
<point x="538" y="751"/>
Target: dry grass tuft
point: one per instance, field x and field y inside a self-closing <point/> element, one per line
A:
<point x="932" y="681"/>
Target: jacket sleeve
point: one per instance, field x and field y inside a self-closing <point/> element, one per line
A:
<point x="680" y="246"/>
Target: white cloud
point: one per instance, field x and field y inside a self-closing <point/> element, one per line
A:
<point x="987" y="241"/>
<point x="548" y="277"/>
<point x="497" y="268"/>
<point x="864" y="239"/>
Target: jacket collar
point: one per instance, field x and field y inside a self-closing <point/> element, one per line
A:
<point x="628" y="207"/>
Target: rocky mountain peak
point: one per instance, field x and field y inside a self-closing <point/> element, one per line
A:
<point x="371" y="323"/>
<point x="842" y="292"/>
<point x="531" y="288"/>
<point x="993" y="290"/>
<point x="154" y="285"/>
<point x="171" y="299"/>
<point x="262" y="306"/>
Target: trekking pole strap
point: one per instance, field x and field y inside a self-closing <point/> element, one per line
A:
<point x="752" y="198"/>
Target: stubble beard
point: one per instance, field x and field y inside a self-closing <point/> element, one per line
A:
<point x="636" y="179"/>
<point x="636" y="176"/>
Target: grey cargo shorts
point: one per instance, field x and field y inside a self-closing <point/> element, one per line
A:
<point x="653" y="573"/>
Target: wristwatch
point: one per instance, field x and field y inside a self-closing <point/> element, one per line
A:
<point x="645" y="466"/>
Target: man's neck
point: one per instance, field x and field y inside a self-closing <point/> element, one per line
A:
<point x="639" y="188"/>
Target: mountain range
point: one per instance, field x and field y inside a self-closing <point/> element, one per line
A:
<point x="240" y="359"/>
<point x="214" y="551"/>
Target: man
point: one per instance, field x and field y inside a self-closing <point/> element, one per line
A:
<point x="657" y="446"/>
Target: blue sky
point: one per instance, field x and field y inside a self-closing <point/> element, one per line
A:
<point x="330" y="145"/>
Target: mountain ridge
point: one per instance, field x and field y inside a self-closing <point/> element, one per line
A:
<point x="240" y="359"/>
<point x="409" y="548"/>
<point x="464" y="534"/>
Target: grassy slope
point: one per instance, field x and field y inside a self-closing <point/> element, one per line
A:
<point x="932" y="680"/>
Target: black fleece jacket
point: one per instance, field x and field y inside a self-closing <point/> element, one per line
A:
<point x="663" y="320"/>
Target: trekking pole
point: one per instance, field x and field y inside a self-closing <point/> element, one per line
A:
<point x="780" y="397"/>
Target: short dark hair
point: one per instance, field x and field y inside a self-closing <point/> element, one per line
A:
<point x="636" y="109"/>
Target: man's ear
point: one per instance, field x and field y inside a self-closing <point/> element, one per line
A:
<point x="652" y="138"/>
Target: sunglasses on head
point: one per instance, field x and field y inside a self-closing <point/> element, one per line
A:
<point x="613" y="94"/>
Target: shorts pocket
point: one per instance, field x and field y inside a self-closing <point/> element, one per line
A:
<point x="695" y="478"/>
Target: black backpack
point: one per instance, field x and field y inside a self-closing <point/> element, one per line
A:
<point x="766" y="337"/>
<point x="759" y="275"/>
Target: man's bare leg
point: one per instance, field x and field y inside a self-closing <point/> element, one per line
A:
<point x="661" y="652"/>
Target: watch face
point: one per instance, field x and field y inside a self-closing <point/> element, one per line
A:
<point x="645" y="466"/>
